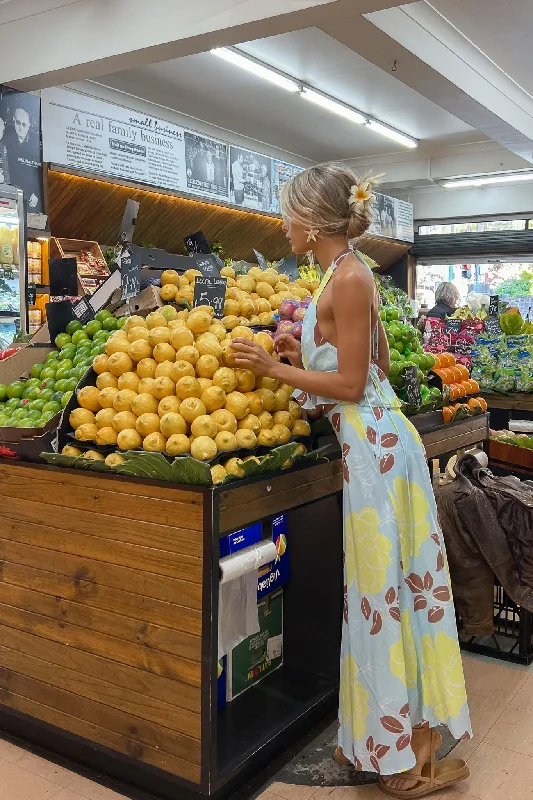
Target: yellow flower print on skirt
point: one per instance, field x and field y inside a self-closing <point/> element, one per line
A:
<point x="411" y="509"/>
<point x="443" y="686"/>
<point x="353" y="418"/>
<point x="353" y="698"/>
<point x="403" y="660"/>
<point x="367" y="551"/>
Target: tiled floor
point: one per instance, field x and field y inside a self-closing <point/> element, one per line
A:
<point x="500" y="756"/>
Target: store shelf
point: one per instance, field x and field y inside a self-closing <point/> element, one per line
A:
<point x="510" y="402"/>
<point x="276" y="704"/>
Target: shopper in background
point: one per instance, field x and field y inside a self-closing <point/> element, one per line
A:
<point x="401" y="670"/>
<point x="446" y="299"/>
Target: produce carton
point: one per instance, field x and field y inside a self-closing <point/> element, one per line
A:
<point x="148" y="300"/>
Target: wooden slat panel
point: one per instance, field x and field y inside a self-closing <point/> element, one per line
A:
<point x="100" y="501"/>
<point x="176" y="694"/>
<point x="160" y="562"/>
<point x="147" y="635"/>
<point x="101" y="645"/>
<point x="447" y="432"/>
<point x="89" y="730"/>
<point x="242" y="505"/>
<point x="455" y="443"/>
<point x="90" y="591"/>
<point x="174" y="721"/>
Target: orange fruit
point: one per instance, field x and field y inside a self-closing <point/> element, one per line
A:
<point x="465" y="375"/>
<point x="483" y="404"/>
<point x="448" y="413"/>
<point x="475" y="385"/>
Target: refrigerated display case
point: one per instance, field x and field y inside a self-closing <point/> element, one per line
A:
<point x="13" y="301"/>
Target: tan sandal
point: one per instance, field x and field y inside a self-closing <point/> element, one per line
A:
<point x="436" y="775"/>
<point x="341" y="759"/>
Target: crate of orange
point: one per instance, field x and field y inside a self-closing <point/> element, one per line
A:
<point x="457" y="411"/>
<point x="454" y="376"/>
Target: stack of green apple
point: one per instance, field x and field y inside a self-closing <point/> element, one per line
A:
<point x="406" y="351"/>
<point x="33" y="402"/>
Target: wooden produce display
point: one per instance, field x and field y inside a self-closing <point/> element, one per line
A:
<point x="109" y="621"/>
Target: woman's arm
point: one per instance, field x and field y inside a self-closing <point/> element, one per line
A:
<point x="352" y="298"/>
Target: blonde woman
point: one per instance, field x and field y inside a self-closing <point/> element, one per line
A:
<point x="401" y="671"/>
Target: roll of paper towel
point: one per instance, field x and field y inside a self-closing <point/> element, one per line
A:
<point x="247" y="560"/>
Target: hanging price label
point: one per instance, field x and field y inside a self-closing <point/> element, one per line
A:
<point x="83" y="310"/>
<point x="210" y="291"/>
<point x="32" y="294"/>
<point x="412" y="388"/>
<point x="494" y="305"/>
<point x="130" y="271"/>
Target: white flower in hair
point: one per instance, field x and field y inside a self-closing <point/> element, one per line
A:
<point x="361" y="195"/>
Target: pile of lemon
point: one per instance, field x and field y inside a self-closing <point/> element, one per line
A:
<point x="168" y="384"/>
<point x="251" y="299"/>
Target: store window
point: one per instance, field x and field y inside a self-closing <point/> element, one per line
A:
<point x="476" y="227"/>
<point x="506" y="279"/>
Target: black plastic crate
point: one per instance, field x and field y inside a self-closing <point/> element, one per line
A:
<point x="512" y="639"/>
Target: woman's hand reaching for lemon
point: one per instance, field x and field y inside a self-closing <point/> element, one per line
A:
<point x="250" y="355"/>
<point x="288" y="347"/>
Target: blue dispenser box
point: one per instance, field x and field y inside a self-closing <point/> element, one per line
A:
<point x="246" y="537"/>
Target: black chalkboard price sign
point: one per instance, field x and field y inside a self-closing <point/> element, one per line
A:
<point x="130" y="272"/>
<point x="492" y="326"/>
<point x="494" y="305"/>
<point x="210" y="291"/>
<point x="414" y="398"/>
<point x="207" y="265"/>
<point x="197" y="243"/>
<point x="261" y="260"/>
<point x="453" y="325"/>
<point x="83" y="310"/>
<point x="32" y="294"/>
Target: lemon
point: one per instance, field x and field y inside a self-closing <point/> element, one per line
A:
<point x="181" y="369"/>
<point x="86" y="433"/>
<point x="267" y="438"/>
<point x="203" y="448"/>
<point x="198" y="321"/>
<point x="146" y="386"/>
<point x="265" y="290"/>
<point x="225" y="441"/>
<point x="169" y="405"/>
<point x="294" y="410"/>
<point x="227" y="272"/>
<point x="69" y="450"/>
<point x="281" y="400"/>
<point x="120" y="363"/>
<point x="246" y="307"/>
<point x="124" y="420"/>
<point x="263" y="306"/>
<point x="225" y="378"/>
<point x="181" y="337"/>
<point x="231" y="307"/>
<point x="129" y="439"/>
<point x="88" y="398"/>
<point x="250" y="422"/>
<point x="155" y="320"/>
<point x="203" y="426"/>
<point x="173" y="423"/>
<point x="106" y="380"/>
<point x="147" y="424"/>
<point x="268" y="398"/>
<point x="159" y="335"/>
<point x="154" y="443"/>
<point x="213" y="398"/>
<point x="146" y="368"/>
<point x="134" y="334"/>
<point x="191" y="408"/>
<point x="218" y="473"/>
<point x="133" y="322"/>
<point x="233" y="467"/>
<point x="188" y="387"/>
<point x="286" y="388"/>
<point x="301" y="428"/>
<point x="245" y="380"/>
<point x="170" y="278"/>
<point x="143" y="404"/>
<point x="225" y="420"/>
<point x="238" y="404"/>
<point x="230" y="321"/>
<point x="177" y="323"/>
<point x="209" y="346"/>
<point x="81" y="416"/>
<point x="177" y="444"/>
<point x="105" y="417"/>
<point x="183" y="315"/>
<point x="205" y="383"/>
<point x="93" y="455"/>
<point x="100" y="364"/>
<point x="170" y="314"/>
<point x="282" y="434"/>
<point x="139" y="349"/>
<point x="256" y="402"/>
<point x="128" y="380"/>
<point x="266" y="317"/>
<point x="219" y="331"/>
<point x="114" y="460"/>
<point x="124" y="399"/>
<point x="228" y="354"/>
<point x="168" y="292"/>
<point x="190" y="274"/>
<point x="106" y="397"/>
<point x="206" y="366"/>
<point x="164" y="352"/>
<point x="283" y="418"/>
<point x="265" y="341"/>
<point x="266" y="420"/>
<point x="163" y="387"/>
<point x="267" y="383"/>
<point x="188" y="353"/>
<point x="117" y="344"/>
<point x="106" y="435"/>
<point x="246" y="438"/>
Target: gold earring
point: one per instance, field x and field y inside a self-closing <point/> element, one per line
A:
<point x="312" y="233"/>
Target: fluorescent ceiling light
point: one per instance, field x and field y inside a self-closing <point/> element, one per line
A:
<point x="253" y="66"/>
<point x="486" y="180"/>
<point x="390" y="133"/>
<point x="332" y="105"/>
